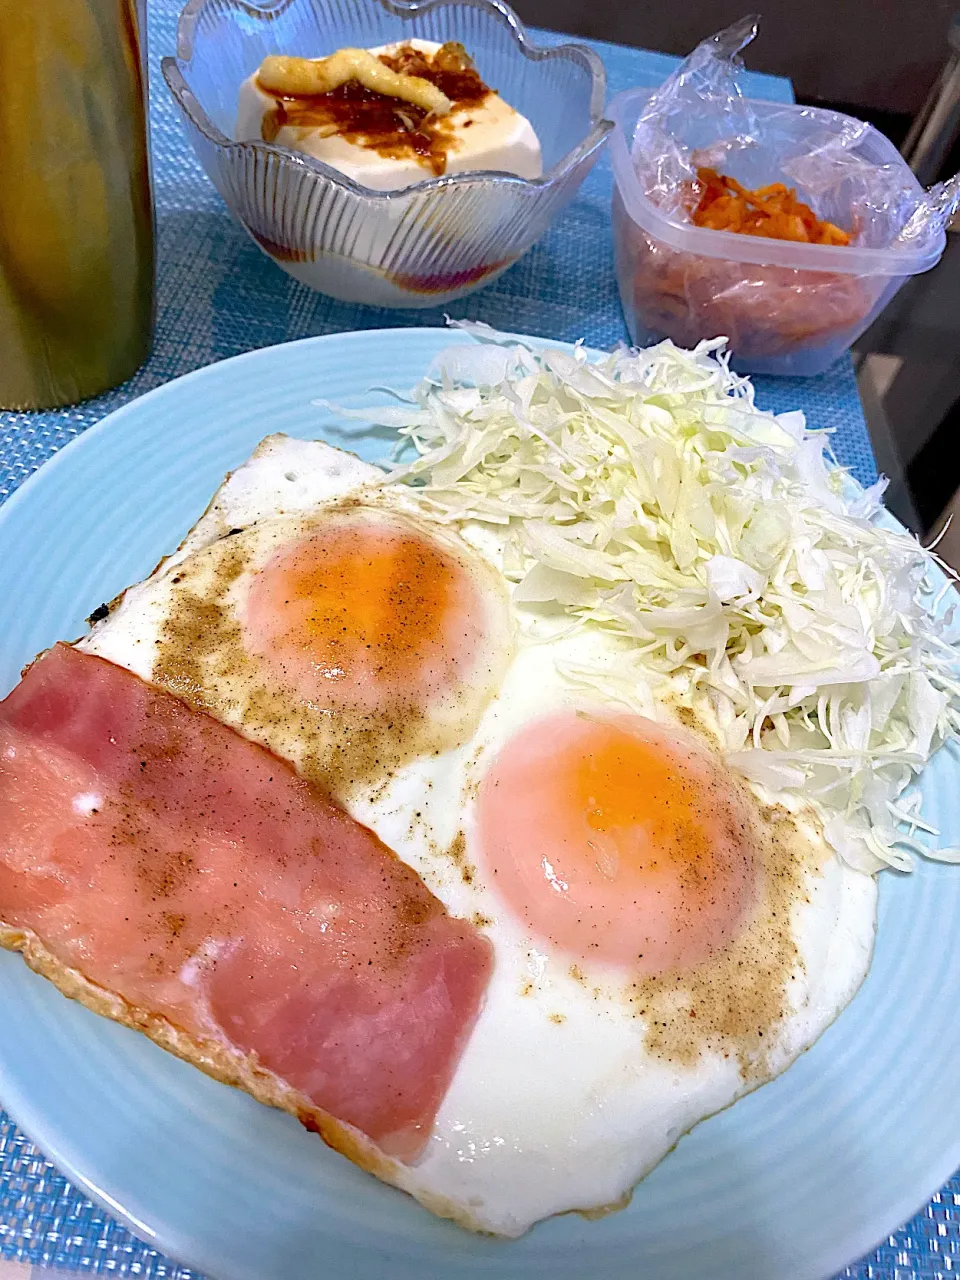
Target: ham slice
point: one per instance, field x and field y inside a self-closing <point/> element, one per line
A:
<point x="170" y="873"/>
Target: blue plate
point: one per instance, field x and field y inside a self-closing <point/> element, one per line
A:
<point x="793" y="1182"/>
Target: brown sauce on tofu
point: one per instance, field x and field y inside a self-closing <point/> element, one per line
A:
<point x="390" y="126"/>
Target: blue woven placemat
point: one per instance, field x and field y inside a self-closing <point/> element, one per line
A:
<point x="217" y="296"/>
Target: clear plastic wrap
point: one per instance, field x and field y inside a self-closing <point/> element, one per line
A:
<point x="786" y="306"/>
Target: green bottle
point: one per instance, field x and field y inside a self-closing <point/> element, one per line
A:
<point x="76" y="218"/>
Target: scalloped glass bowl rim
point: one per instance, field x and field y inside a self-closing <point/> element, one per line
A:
<point x="193" y="108"/>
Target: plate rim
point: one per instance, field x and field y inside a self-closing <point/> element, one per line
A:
<point x="156" y="393"/>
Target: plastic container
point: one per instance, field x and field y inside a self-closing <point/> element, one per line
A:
<point x="786" y="308"/>
<point x="419" y="246"/>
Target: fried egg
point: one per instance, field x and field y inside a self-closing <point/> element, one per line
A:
<point x="347" y="637"/>
<point x="665" y="938"/>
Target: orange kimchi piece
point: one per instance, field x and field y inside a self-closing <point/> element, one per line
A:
<point x="772" y="211"/>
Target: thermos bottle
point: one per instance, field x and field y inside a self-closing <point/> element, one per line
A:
<point x="76" y="219"/>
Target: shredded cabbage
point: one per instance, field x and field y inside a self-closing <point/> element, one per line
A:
<point x="644" y="492"/>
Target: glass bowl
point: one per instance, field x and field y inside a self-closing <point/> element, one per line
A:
<point x="420" y="246"/>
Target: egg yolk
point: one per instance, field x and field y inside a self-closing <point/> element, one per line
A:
<point x="615" y="840"/>
<point x="366" y="611"/>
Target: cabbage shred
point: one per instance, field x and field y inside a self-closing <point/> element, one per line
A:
<point x="644" y="492"/>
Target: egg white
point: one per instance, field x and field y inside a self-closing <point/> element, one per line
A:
<point x="557" y="1103"/>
